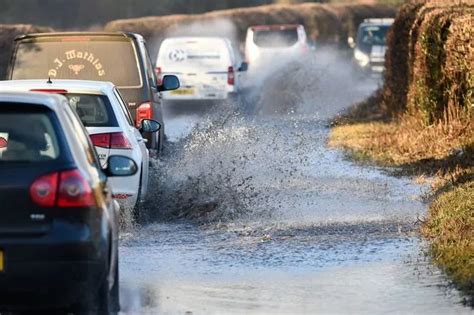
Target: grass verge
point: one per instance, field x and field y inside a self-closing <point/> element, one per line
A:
<point x="443" y="152"/>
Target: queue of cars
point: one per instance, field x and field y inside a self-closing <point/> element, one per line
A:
<point x="72" y="152"/>
<point x="111" y="128"/>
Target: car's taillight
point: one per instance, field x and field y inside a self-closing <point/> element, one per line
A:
<point x="3" y="143"/>
<point x="64" y="189"/>
<point x="52" y="91"/>
<point x="114" y="140"/>
<point x="230" y="76"/>
<point x="101" y="140"/>
<point x="159" y="79"/>
<point x="74" y="191"/>
<point x="44" y="189"/>
<point x="144" y="111"/>
<point x="118" y="140"/>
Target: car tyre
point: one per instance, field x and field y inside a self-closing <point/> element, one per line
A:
<point x="138" y="204"/>
<point x="108" y="300"/>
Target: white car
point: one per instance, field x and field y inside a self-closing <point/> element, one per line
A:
<point x="110" y="127"/>
<point x="208" y="68"/>
<point x="271" y="43"/>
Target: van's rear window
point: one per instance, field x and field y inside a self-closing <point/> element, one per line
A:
<point x="78" y="58"/>
<point x="276" y="38"/>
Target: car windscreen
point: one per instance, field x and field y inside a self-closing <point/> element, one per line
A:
<point x="78" y="58"/>
<point x="372" y="35"/>
<point x="27" y="134"/>
<point x="275" y="38"/>
<point x="190" y="55"/>
<point x="93" y="110"/>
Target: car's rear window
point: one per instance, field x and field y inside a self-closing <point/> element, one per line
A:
<point x="276" y="38"/>
<point x="206" y="54"/>
<point x="78" y="58"/>
<point x="93" y="110"/>
<point x="27" y="134"/>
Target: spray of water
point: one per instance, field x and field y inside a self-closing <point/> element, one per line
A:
<point x="239" y="162"/>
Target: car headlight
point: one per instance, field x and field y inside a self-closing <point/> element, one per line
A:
<point x="361" y="58"/>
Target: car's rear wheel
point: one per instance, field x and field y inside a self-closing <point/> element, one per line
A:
<point x="138" y="203"/>
<point x="108" y="300"/>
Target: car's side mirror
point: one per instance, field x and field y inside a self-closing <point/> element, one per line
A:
<point x="169" y="83"/>
<point x="118" y="165"/>
<point x="149" y="125"/>
<point x="351" y="42"/>
<point x="244" y="66"/>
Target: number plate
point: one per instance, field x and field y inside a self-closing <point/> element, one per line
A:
<point x="2" y="261"/>
<point x="183" y="92"/>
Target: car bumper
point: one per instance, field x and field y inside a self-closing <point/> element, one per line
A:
<point x="125" y="189"/>
<point x="50" y="285"/>
<point x="59" y="269"/>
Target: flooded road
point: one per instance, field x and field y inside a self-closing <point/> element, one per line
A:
<point x="253" y="214"/>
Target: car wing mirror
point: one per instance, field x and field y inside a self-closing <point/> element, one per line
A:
<point x="168" y="83"/>
<point x="150" y="126"/>
<point x="118" y="165"/>
<point x="244" y="66"/>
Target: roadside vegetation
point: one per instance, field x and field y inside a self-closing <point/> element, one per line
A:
<point x="421" y="122"/>
<point x="326" y="23"/>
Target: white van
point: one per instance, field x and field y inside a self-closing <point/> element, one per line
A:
<point x="208" y="68"/>
<point x="274" y="43"/>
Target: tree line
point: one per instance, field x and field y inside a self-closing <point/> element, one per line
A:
<point x="66" y="14"/>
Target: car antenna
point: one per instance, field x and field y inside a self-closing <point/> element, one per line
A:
<point x="49" y="81"/>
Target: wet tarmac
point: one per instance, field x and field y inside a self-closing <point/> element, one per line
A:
<point x="253" y="214"/>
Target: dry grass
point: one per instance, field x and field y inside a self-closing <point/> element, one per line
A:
<point x="422" y="122"/>
<point x="450" y="227"/>
<point x="443" y="151"/>
<point x="408" y="140"/>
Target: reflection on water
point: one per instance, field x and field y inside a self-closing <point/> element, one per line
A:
<point x="368" y="268"/>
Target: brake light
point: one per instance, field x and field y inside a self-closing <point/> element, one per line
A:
<point x="74" y="191"/>
<point x="118" y="140"/>
<point x="114" y="140"/>
<point x="230" y="76"/>
<point x="144" y="111"/>
<point x="101" y="140"/>
<point x="54" y="91"/>
<point x="159" y="79"/>
<point x="44" y="189"/>
<point x="64" y="189"/>
<point x="3" y="143"/>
